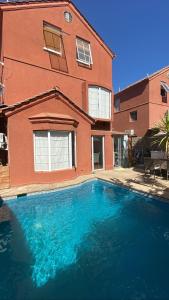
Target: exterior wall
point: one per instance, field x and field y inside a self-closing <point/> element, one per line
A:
<point x="134" y="98"/>
<point x="21" y="153"/>
<point x="157" y="107"/>
<point x="108" y="147"/>
<point x="27" y="69"/>
<point x="27" y="72"/>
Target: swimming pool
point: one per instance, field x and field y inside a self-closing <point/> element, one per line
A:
<point x="93" y="241"/>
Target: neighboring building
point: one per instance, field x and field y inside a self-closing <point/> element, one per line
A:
<point x="140" y="106"/>
<point x="56" y="93"/>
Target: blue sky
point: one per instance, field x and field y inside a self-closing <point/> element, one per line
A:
<point x="137" y="31"/>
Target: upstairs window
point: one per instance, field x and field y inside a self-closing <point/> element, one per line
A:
<point x="133" y="116"/>
<point x="99" y="103"/>
<point x="116" y="105"/>
<point x="55" y="47"/>
<point x="53" y="39"/>
<point x="84" y="54"/>
<point x="164" y="91"/>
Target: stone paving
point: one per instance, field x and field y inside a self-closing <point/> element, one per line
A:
<point x="128" y="177"/>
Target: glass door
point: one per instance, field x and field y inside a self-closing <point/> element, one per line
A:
<point x="98" y="152"/>
<point x="120" y="151"/>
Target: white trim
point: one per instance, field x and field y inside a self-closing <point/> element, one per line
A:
<point x="70" y="148"/>
<point x="110" y="107"/>
<point x="83" y="62"/>
<point x="92" y="154"/>
<point x="49" y="152"/>
<point x="75" y="148"/>
<point x="52" y="51"/>
<point x="91" y="58"/>
<point x="103" y="150"/>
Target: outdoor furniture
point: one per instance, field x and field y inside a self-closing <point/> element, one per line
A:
<point x="152" y="165"/>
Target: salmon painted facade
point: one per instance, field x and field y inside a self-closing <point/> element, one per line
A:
<point x="55" y="93"/>
<point x="140" y="106"/>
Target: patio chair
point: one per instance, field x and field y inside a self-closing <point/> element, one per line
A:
<point x="165" y="166"/>
<point x="151" y="166"/>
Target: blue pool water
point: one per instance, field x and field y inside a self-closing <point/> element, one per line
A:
<point x="93" y="241"/>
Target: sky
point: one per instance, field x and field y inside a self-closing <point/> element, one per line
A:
<point x="136" y="30"/>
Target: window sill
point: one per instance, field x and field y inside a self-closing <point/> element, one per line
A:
<point x="84" y="65"/>
<point x="52" y="51"/>
<point x="55" y="171"/>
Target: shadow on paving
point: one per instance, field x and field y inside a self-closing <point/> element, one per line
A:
<point x="154" y="186"/>
<point x="15" y="257"/>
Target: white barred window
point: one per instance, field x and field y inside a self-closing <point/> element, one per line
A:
<point x="99" y="103"/>
<point x="84" y="54"/>
<point x="53" y="150"/>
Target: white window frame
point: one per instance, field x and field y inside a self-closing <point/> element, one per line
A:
<point x="103" y="153"/>
<point x="99" y="103"/>
<point x="70" y="154"/>
<point x="81" y="60"/>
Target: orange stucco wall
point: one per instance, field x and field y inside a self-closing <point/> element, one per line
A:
<point x="134" y="98"/>
<point x="144" y="97"/>
<point x="157" y="108"/>
<point x="27" y="69"/>
<point x="27" y="72"/>
<point x="20" y="137"/>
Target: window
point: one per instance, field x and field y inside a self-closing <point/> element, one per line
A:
<point x="53" y="150"/>
<point x="164" y="90"/>
<point x="68" y="16"/>
<point x="133" y="116"/>
<point x="99" y="103"/>
<point x="53" y="39"/>
<point x="84" y="54"/>
<point x="117" y="105"/>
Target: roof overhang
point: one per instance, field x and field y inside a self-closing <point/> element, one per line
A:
<point x="19" y="106"/>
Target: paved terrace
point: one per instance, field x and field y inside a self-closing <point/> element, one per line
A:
<point x="128" y="177"/>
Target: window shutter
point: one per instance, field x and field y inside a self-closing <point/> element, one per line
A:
<point x="60" y="148"/>
<point x="94" y="102"/>
<point x="104" y="104"/>
<point x="52" y="39"/>
<point x="41" y="154"/>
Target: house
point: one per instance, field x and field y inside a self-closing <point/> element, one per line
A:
<point x="55" y="94"/>
<point x="139" y="107"/>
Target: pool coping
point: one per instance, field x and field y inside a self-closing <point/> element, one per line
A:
<point x="85" y="180"/>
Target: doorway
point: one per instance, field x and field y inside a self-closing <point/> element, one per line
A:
<point x="98" y="152"/>
<point x="121" y="151"/>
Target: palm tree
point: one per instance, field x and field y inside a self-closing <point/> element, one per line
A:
<point x="162" y="139"/>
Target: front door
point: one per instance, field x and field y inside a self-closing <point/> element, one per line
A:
<point x="98" y="152"/>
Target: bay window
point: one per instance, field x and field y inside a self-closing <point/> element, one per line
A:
<point x="53" y="150"/>
<point x="99" y="103"/>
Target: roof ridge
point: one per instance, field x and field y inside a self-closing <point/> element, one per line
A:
<point x="146" y="77"/>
